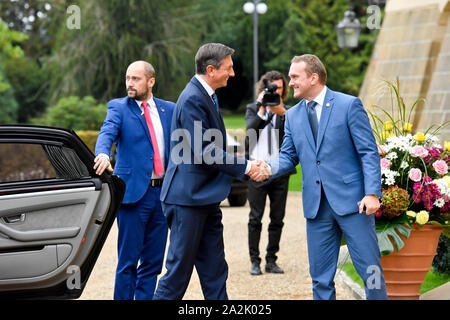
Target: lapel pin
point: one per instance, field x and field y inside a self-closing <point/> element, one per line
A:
<point x="162" y="109"/>
<point x="328" y="104"/>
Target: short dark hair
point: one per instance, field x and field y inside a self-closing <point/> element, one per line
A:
<point x="313" y="65"/>
<point x="272" y="76"/>
<point x="211" y="54"/>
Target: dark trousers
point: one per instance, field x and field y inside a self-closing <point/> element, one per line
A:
<point x="277" y="191"/>
<point x="141" y="245"/>
<point x="196" y="239"/>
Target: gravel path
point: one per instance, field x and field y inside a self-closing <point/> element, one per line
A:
<point x="295" y="284"/>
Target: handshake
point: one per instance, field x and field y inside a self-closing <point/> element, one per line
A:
<point x="259" y="171"/>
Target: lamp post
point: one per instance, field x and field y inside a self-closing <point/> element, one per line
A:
<point x="255" y="7"/>
<point x="348" y="30"/>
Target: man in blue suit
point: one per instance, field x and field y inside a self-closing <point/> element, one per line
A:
<point x="198" y="179"/>
<point x="329" y="133"/>
<point x="139" y="126"/>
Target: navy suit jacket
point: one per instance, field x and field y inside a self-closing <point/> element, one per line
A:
<point x="126" y="127"/>
<point x="199" y="168"/>
<point x="345" y="160"/>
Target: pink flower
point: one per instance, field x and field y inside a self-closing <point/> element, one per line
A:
<point x="385" y="163"/>
<point x="440" y="166"/>
<point x="419" y="151"/>
<point x="381" y="151"/>
<point x="415" y="174"/>
<point x="378" y="213"/>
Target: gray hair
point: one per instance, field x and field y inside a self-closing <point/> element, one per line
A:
<point x="211" y="54"/>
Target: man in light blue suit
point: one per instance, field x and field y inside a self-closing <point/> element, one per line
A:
<point x="139" y="126"/>
<point x="329" y="133"/>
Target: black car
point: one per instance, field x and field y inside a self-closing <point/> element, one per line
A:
<point x="55" y="212"/>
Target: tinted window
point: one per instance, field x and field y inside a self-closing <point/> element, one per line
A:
<point x="22" y="162"/>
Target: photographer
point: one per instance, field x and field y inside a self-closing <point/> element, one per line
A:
<point x="266" y="118"/>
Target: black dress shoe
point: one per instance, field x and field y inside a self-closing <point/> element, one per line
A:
<point x="256" y="270"/>
<point x="271" y="267"/>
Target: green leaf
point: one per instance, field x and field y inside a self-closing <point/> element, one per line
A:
<point x="387" y="230"/>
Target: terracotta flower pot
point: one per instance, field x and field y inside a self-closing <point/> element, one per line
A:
<point x="405" y="270"/>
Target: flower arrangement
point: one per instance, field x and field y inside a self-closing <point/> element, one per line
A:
<point x="414" y="175"/>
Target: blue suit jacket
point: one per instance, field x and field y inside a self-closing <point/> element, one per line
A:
<point x="345" y="160"/>
<point x="199" y="168"/>
<point x="126" y="127"/>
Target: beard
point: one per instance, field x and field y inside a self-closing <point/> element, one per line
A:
<point x="134" y="94"/>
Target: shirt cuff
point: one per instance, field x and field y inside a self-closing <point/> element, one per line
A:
<point x="249" y="166"/>
<point x="103" y="155"/>
<point x="262" y="116"/>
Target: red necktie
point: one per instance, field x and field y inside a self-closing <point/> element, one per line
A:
<point x="157" y="163"/>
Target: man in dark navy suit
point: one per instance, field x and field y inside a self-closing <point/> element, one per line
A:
<point x="198" y="179"/>
<point x="139" y="125"/>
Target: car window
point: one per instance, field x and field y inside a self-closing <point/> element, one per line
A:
<point x="24" y="162"/>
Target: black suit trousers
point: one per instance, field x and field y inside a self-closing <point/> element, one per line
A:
<point x="276" y="191"/>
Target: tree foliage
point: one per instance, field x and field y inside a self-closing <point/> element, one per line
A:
<point x="75" y="113"/>
<point x="8" y="50"/>
<point x="91" y="60"/>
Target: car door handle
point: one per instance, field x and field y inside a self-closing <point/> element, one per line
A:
<point x="15" y="218"/>
<point x="37" y="235"/>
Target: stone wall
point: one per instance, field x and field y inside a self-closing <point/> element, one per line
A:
<point x="413" y="45"/>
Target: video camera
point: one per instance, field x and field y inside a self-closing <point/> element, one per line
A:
<point x="270" y="98"/>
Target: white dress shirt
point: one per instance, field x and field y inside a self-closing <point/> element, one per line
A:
<point x="157" y="126"/>
<point x="261" y="149"/>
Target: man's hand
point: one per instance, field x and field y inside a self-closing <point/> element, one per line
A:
<point x="279" y="109"/>
<point x="259" y="171"/>
<point x="101" y="163"/>
<point x="370" y="202"/>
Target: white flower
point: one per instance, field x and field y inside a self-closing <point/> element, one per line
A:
<point x="390" y="181"/>
<point x="439" y="203"/>
<point x="404" y="165"/>
<point x="442" y="186"/>
<point x="391" y="156"/>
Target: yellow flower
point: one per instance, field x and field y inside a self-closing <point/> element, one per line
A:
<point x="407" y="127"/>
<point x="422" y="217"/>
<point x="447" y="145"/>
<point x="388" y="126"/>
<point x="411" y="214"/>
<point x="447" y="179"/>
<point x="386" y="134"/>
<point x="419" y="137"/>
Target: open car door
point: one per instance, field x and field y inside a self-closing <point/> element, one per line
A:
<point x="55" y="212"/>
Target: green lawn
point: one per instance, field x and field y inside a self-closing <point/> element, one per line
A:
<point x="235" y="121"/>
<point x="432" y="280"/>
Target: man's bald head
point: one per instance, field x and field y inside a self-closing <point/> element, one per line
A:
<point x="146" y="67"/>
<point x="140" y="79"/>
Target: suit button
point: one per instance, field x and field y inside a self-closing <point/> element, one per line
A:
<point x="149" y="174"/>
<point x="151" y="158"/>
<point x="317" y="182"/>
<point x="318" y="162"/>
